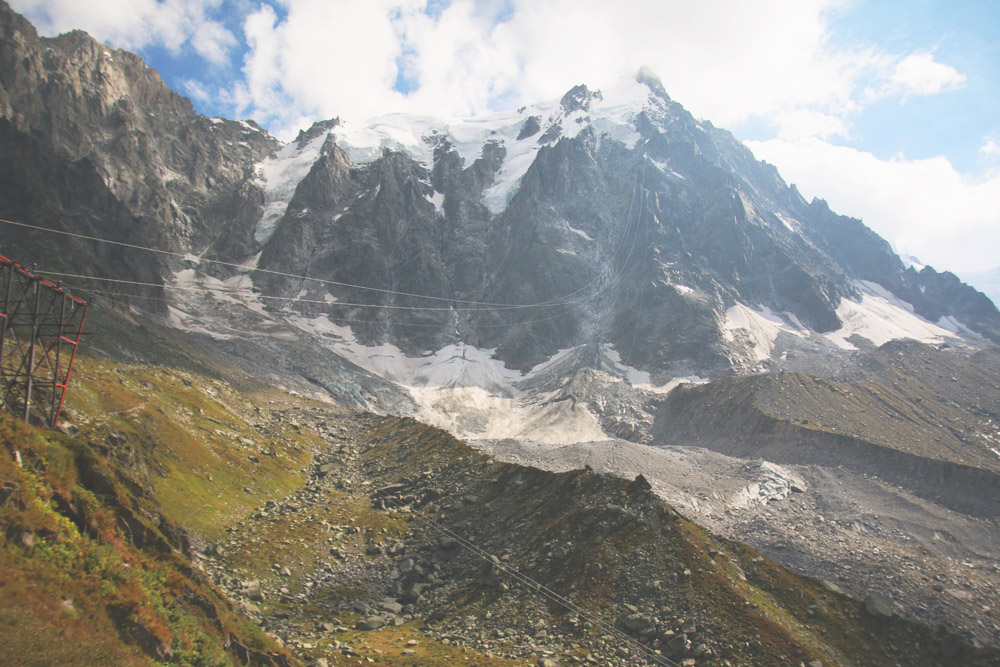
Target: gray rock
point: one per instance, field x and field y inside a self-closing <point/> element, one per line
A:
<point x="254" y="591"/>
<point x="951" y="646"/>
<point x="370" y="623"/>
<point x="879" y="606"/>
<point x="414" y="592"/>
<point x="637" y="622"/>
<point x="392" y="607"/>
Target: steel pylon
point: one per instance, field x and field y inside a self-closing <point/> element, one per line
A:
<point x="40" y="328"/>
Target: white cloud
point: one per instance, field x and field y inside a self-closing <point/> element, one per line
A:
<point x="920" y="74"/>
<point x="323" y="59"/>
<point x="925" y="208"/>
<point x="195" y="89"/>
<point x="800" y="123"/>
<point x="990" y="148"/>
<point x="213" y="42"/>
<point x="134" y="24"/>
<point x="728" y="61"/>
<point x="768" y="55"/>
<point x="725" y="61"/>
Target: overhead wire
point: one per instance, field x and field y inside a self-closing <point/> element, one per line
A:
<point x="637" y="192"/>
<point x="483" y="305"/>
<point x="244" y="305"/>
<point x="232" y="292"/>
<point x="252" y="269"/>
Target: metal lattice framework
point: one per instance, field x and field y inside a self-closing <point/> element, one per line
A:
<point x="40" y="328"/>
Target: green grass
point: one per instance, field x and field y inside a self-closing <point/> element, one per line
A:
<point x="87" y="575"/>
<point x="192" y="438"/>
<point x="385" y="646"/>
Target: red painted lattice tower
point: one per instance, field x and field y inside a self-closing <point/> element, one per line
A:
<point x="40" y="328"/>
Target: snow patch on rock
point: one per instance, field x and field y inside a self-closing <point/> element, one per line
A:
<point x="467" y="391"/>
<point x="881" y="317"/>
<point x="279" y="176"/>
<point x="760" y="328"/>
<point x="612" y="117"/>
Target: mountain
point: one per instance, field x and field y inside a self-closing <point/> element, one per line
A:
<point x="94" y="142"/>
<point x="987" y="281"/>
<point x="624" y="219"/>
<point x="600" y="280"/>
<point x="608" y="231"/>
<point x="185" y="503"/>
<point x="611" y="217"/>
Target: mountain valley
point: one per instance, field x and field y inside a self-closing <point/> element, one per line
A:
<point x="580" y="383"/>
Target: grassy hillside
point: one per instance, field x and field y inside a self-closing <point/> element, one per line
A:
<point x="186" y="509"/>
<point x="93" y="575"/>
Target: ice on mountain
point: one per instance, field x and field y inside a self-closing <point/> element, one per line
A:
<point x="954" y="325"/>
<point x="666" y="169"/>
<point x="519" y="157"/>
<point x="437" y="198"/>
<point x="364" y="142"/>
<point x="279" y="176"/>
<point x="579" y="232"/>
<point x="179" y="319"/>
<point x="790" y="225"/>
<point x="881" y="317"/>
<point x="612" y="116"/>
<point x="761" y="329"/>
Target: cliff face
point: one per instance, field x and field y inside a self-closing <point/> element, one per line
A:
<point x="615" y="218"/>
<point x="97" y="144"/>
<point x="610" y="217"/>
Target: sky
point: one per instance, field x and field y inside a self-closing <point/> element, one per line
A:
<point x="887" y="109"/>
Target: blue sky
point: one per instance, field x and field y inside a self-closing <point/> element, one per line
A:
<point x="888" y="109"/>
<point x="963" y="34"/>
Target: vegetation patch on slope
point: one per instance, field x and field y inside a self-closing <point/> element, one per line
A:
<point x="206" y="452"/>
<point x="93" y="575"/>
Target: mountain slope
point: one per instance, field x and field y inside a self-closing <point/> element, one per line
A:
<point x="118" y="155"/>
<point x="541" y="282"/>
<point x="609" y="216"/>
<point x="374" y="539"/>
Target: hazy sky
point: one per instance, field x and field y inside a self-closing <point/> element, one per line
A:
<point x="888" y="109"/>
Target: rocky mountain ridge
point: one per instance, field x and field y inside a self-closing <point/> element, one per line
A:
<point x="351" y="538"/>
<point x="621" y="219"/>
<point x="118" y="155"/>
<point x="600" y="280"/>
